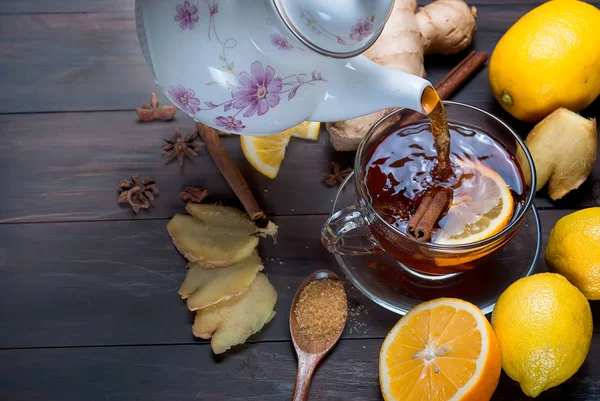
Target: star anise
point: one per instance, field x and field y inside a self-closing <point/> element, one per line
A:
<point x="138" y="193"/>
<point x="193" y="194"/>
<point x="180" y="146"/>
<point x="154" y="110"/>
<point x="338" y="176"/>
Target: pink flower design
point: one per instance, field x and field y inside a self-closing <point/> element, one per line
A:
<point x="184" y="98"/>
<point x="280" y="42"/>
<point x="258" y="91"/>
<point x="361" y="30"/>
<point x="186" y="13"/>
<point x="229" y="123"/>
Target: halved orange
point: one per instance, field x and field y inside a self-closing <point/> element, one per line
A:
<point x="481" y="207"/>
<point x="442" y="350"/>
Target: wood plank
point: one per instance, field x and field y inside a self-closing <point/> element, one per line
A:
<point x="263" y="372"/>
<point x="115" y="283"/>
<point x="65" y="167"/>
<point x="66" y="62"/>
<point x="59" y="167"/>
<point x="64" y="6"/>
<point x="85" y="280"/>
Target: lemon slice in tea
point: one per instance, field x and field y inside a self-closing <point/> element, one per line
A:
<point x="482" y="206"/>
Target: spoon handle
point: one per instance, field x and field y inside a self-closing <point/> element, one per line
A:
<point x="306" y="367"/>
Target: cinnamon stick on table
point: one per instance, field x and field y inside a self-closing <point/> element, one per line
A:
<point x="229" y="170"/>
<point x="432" y="207"/>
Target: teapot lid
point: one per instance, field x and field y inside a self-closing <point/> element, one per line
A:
<point x="335" y="28"/>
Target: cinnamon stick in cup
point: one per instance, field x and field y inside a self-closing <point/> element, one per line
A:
<point x="432" y="208"/>
<point x="423" y="207"/>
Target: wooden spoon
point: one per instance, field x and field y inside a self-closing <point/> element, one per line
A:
<point x="310" y="353"/>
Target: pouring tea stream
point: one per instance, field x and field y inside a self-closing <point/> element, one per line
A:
<point x="262" y="67"/>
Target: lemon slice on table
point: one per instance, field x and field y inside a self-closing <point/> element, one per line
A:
<point x="307" y="130"/>
<point x="442" y="350"/>
<point x="481" y="206"/>
<point x="265" y="153"/>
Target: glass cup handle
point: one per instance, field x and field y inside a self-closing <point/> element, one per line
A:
<point x="339" y="236"/>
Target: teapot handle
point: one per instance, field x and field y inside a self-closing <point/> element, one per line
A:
<point x="360" y="87"/>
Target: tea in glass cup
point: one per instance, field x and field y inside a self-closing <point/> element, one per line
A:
<point x="486" y="184"/>
<point x="432" y="221"/>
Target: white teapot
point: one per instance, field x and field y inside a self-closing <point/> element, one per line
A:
<point x="257" y="67"/>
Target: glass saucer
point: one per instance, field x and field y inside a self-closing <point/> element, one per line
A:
<point x="398" y="288"/>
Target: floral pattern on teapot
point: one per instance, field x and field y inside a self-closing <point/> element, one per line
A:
<point x="280" y="42"/>
<point x="358" y="32"/>
<point x="186" y="15"/>
<point x="254" y="92"/>
<point x="185" y="98"/>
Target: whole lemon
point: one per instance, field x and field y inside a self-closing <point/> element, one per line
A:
<point x="544" y="329"/>
<point x="549" y="58"/>
<point x="574" y="250"/>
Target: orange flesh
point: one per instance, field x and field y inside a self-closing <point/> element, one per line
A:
<point x="434" y="354"/>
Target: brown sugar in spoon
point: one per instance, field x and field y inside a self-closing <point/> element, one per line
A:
<point x="310" y="352"/>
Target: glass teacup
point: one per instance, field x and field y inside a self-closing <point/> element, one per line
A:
<point x="424" y="257"/>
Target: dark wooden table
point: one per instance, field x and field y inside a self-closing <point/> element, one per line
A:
<point x="88" y="291"/>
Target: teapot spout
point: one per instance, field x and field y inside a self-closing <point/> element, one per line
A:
<point x="363" y="87"/>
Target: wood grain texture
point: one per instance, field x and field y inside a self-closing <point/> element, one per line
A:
<point x="115" y="283"/>
<point x="67" y="62"/>
<point x="65" y="167"/>
<point x="108" y="283"/>
<point x="264" y="372"/>
<point x="62" y="167"/>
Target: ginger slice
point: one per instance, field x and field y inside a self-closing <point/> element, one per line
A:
<point x="205" y="287"/>
<point x="231" y="322"/>
<point x="564" y="147"/>
<point x="213" y="236"/>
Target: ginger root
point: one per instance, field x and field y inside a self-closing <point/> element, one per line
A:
<point x="564" y="147"/>
<point x="231" y="322"/>
<point x="442" y="27"/>
<point x="223" y="282"/>
<point x="204" y="287"/>
<point x="213" y="236"/>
